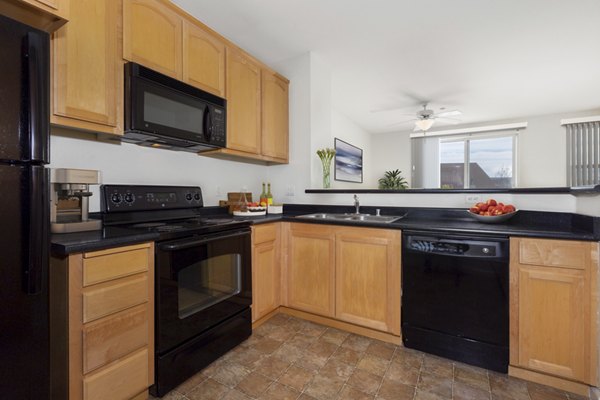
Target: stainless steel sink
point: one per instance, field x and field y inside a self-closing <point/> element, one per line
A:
<point x="353" y="217"/>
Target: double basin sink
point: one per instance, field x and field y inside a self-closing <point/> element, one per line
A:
<point x="367" y="218"/>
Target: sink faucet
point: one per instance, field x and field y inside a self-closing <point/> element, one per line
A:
<point x="356" y="204"/>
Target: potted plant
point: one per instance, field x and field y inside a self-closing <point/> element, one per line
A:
<point x="393" y="180"/>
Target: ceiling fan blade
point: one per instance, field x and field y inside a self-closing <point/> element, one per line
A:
<point x="450" y="119"/>
<point x="449" y="113"/>
<point x="401" y="123"/>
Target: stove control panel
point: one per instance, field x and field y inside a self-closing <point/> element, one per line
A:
<point x="115" y="198"/>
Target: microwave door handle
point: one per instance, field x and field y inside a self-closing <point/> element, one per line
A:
<point x="186" y="244"/>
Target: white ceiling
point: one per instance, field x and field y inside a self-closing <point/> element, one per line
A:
<point x="492" y="59"/>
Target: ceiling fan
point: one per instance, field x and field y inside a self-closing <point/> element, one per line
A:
<point x="426" y="117"/>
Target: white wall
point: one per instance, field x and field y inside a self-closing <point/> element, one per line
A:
<point x="131" y="164"/>
<point x="390" y="151"/>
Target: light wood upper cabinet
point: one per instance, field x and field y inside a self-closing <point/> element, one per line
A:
<point x="368" y="278"/>
<point x="553" y="292"/>
<point x="47" y="15"/>
<point x="311" y="269"/>
<point x="266" y="269"/>
<point x="275" y="119"/>
<point x="203" y="59"/>
<point x="152" y="36"/>
<point x="243" y="102"/>
<point x="87" y="74"/>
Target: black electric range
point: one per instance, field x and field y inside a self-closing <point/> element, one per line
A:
<point x="203" y="287"/>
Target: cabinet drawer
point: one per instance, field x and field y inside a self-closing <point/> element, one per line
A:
<point x="105" y="267"/>
<point x="554" y="253"/>
<point x="111" y="338"/>
<point x="111" y="297"/>
<point x="120" y="381"/>
<point x="265" y="233"/>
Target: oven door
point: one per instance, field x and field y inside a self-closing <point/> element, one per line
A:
<point x="201" y="281"/>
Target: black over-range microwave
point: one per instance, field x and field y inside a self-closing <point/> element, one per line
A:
<point x="166" y="113"/>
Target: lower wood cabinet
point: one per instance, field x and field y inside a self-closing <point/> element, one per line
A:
<point x="102" y="324"/>
<point x="367" y="278"/>
<point x="347" y="273"/>
<point x="553" y="297"/>
<point x="266" y="269"/>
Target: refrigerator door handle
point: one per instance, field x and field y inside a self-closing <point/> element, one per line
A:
<point x="39" y="231"/>
<point x="37" y="55"/>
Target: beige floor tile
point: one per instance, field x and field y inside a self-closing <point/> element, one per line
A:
<point x="301" y="340"/>
<point x="394" y="390"/>
<point x="350" y="393"/>
<point x="373" y="364"/>
<point x="254" y="384"/>
<point x="296" y="377"/>
<point x="208" y="390"/>
<point x="421" y="395"/>
<point x="435" y="384"/>
<point x="365" y="381"/>
<point x="347" y="356"/>
<point x="323" y="348"/>
<point x="438" y="366"/>
<point x="279" y="392"/>
<point x="235" y="394"/>
<point x="230" y="374"/>
<point x="336" y="369"/>
<point x="357" y="343"/>
<point x="312" y="329"/>
<point x="311" y="361"/>
<point x="472" y="376"/>
<point x="289" y="353"/>
<point x="247" y="357"/>
<point x="540" y="392"/>
<point x="504" y="387"/>
<point x="324" y="388"/>
<point x="272" y="367"/>
<point x="334" y="336"/>
<point x="266" y="345"/>
<point x="381" y="349"/>
<point x="408" y="358"/>
<point x="400" y="373"/>
<point x="463" y="391"/>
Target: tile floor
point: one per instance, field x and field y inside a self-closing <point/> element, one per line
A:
<point x="289" y="358"/>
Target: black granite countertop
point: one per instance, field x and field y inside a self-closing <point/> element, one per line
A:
<point x="78" y="242"/>
<point x="444" y="220"/>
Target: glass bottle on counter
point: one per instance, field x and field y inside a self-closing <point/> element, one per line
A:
<point x="263" y="195"/>
<point x="269" y="195"/>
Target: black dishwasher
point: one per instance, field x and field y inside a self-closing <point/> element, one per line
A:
<point x="455" y="297"/>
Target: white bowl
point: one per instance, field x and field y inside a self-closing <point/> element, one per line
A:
<point x="492" y="219"/>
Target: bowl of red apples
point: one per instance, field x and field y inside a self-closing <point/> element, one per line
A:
<point x="492" y="212"/>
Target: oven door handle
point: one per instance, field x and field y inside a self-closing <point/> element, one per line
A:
<point x="186" y="244"/>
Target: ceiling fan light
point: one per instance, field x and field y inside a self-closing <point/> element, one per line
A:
<point x="424" y="124"/>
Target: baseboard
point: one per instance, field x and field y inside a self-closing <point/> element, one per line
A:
<point x="552" y="381"/>
<point x="345" y="326"/>
<point x="264" y="319"/>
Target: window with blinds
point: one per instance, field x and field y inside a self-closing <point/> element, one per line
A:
<point x="583" y="153"/>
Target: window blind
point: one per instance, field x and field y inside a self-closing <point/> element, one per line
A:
<point x="583" y="153"/>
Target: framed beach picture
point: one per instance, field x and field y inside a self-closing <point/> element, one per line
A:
<point x="348" y="162"/>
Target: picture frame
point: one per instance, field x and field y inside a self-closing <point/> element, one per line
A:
<point x="348" y="162"/>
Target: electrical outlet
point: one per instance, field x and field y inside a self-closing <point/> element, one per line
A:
<point x="290" y="190"/>
<point x="472" y="198"/>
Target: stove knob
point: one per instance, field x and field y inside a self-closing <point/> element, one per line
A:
<point x="116" y="198"/>
<point x="197" y="196"/>
<point x="129" y="198"/>
<point x="188" y="197"/>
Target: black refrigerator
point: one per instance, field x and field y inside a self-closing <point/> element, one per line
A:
<point x="24" y="211"/>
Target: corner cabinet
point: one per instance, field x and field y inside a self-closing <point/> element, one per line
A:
<point x="152" y="35"/>
<point x="554" y="297"/>
<point x="266" y="269"/>
<point x="102" y="330"/>
<point x="87" y="69"/>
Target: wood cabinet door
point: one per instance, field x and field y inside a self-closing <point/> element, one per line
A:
<point x="152" y="36"/>
<point x="203" y="59"/>
<point x="311" y="269"/>
<point x="551" y="320"/>
<point x="553" y="311"/>
<point x="86" y="67"/>
<point x="275" y="120"/>
<point x="368" y="278"/>
<point x="266" y="285"/>
<point x="243" y="102"/>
